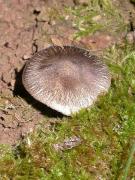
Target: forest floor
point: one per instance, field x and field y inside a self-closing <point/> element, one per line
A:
<point x="39" y="143"/>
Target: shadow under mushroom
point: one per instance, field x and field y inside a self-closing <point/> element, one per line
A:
<point x="19" y="90"/>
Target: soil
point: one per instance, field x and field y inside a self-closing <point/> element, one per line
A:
<point x="26" y="27"/>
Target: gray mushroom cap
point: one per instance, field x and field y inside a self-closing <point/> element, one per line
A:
<point x="66" y="78"/>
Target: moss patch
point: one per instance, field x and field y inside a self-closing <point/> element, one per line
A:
<point x="106" y="130"/>
<point x="96" y="16"/>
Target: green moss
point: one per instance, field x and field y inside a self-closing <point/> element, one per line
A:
<point x="99" y="15"/>
<point x="107" y="129"/>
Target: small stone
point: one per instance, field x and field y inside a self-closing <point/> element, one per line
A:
<point x="68" y="143"/>
<point x="53" y="22"/>
<point x="67" y="17"/>
<point x="26" y="56"/>
<point x="12" y="83"/>
<point x="96" y="18"/>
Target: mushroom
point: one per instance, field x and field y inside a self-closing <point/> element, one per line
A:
<point x="66" y="78"/>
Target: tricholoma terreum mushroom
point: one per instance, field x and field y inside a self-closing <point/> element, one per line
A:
<point x="66" y="78"/>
